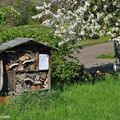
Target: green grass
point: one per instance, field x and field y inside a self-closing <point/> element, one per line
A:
<point x="106" y="56"/>
<point x="90" y="42"/>
<point x="100" y="101"/>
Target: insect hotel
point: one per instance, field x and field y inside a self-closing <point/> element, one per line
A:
<point x="24" y="66"/>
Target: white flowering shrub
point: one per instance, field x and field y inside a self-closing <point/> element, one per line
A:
<point x="117" y="39"/>
<point x="74" y="20"/>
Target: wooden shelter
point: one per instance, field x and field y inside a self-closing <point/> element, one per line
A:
<point x="24" y="66"/>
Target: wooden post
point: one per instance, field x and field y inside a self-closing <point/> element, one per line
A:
<point x="49" y="74"/>
<point x="1" y="74"/>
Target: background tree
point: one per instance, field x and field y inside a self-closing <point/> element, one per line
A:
<point x="74" y="20"/>
<point x="27" y="10"/>
<point x="9" y="16"/>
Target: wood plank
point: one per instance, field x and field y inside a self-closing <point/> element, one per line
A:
<point x="11" y="80"/>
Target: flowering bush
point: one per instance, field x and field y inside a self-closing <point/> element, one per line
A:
<point x="74" y="20"/>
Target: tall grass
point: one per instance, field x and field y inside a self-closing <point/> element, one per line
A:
<point x="100" y="101"/>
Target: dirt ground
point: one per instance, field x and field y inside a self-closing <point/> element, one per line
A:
<point x="87" y="56"/>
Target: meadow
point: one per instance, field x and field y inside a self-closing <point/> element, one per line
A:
<point x="99" y="101"/>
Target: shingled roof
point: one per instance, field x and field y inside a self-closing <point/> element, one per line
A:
<point x="19" y="41"/>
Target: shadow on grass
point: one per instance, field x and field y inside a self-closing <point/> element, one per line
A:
<point x="105" y="68"/>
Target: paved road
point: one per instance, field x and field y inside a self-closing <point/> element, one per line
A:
<point x="87" y="55"/>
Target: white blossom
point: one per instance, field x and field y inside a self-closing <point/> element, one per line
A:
<point x="87" y="3"/>
<point x="72" y="19"/>
<point x="40" y="7"/>
<point x="46" y="23"/>
<point x="82" y="32"/>
<point x="71" y="32"/>
<point x="61" y="43"/>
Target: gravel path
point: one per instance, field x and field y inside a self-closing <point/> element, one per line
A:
<point x="87" y="55"/>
